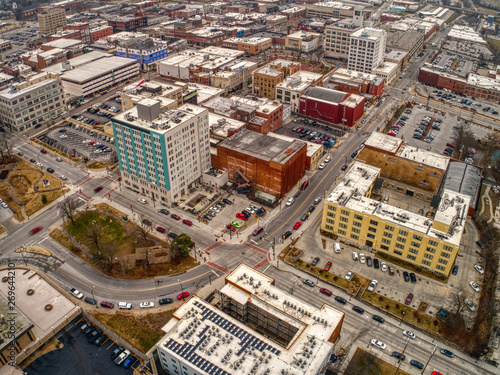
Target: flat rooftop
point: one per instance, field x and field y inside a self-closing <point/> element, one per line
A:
<point x="63" y="43"/>
<point x="77" y="61"/>
<point x="263" y="146"/>
<point x="96" y="68"/>
<point x="221" y="125"/>
<point x="300" y="80"/>
<point x="263" y="105"/>
<point x="384" y="142"/>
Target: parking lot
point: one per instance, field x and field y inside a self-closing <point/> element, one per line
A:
<point x="311" y="126"/>
<point x="85" y="142"/>
<point x="99" y="112"/>
<point x="78" y="357"/>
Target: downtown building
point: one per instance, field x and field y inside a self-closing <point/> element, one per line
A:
<point x="366" y="49"/>
<point x="31" y="103"/>
<point x="162" y="155"/>
<point x="50" y="19"/>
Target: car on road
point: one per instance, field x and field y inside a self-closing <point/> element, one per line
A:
<point x="344" y="167"/>
<point x="257" y="231"/>
<point x="146" y="305"/>
<point x="409" y="298"/>
<point x="290" y="201"/>
<point x="161" y="229"/>
<point x="398" y="355"/>
<point x="165" y="301"/>
<point x="349" y="275"/>
<point x="175" y="217"/>
<point x="317" y="200"/>
<point x="322" y="166"/>
<point x="328" y="265"/>
<point x="50" y="170"/>
<point x="97" y="189"/>
<point x="182" y="295"/>
<point x="286" y="234"/>
<point x="107" y="305"/>
<point x="36" y="230"/>
<point x="378" y="318"/>
<point x="378" y="344"/>
<point x="372" y="285"/>
<point x="164" y="211"/>
<point x="406" y="276"/>
<point x="474" y="286"/>
<point x="410" y="334"/>
<point x="340" y="300"/>
<point x="32" y="160"/>
<point x="297" y="225"/>
<point x="480" y="244"/>
<point x="142" y="200"/>
<point x="43" y="151"/>
<point x="58" y="159"/>
<point x="235" y="224"/>
<point x="147" y="222"/>
<point x="447" y="353"/>
<point x="76" y="293"/>
<point x="308" y="282"/>
<point x="326" y="292"/>
<point x="417" y="364"/>
<point x="315" y="261"/>
<point x="479" y="268"/>
<point x="187" y="222"/>
<point x="358" y="309"/>
<point x="328" y="158"/>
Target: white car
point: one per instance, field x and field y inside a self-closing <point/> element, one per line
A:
<point x="349" y="275"/>
<point x="322" y="166"/>
<point x="125" y="305"/>
<point x="470" y="305"/>
<point x="328" y="158"/>
<point x="122" y="357"/>
<point x="354" y="255"/>
<point x="372" y="285"/>
<point x="86" y="141"/>
<point x="142" y="200"/>
<point x="39" y="164"/>
<point x="63" y="177"/>
<point x="63" y="136"/>
<point x="250" y="209"/>
<point x="215" y="209"/>
<point x="97" y="151"/>
<point x="410" y="334"/>
<point x="58" y="159"/>
<point x="290" y="201"/>
<point x="362" y="258"/>
<point x="147" y="305"/>
<point x="76" y="293"/>
<point x="474" y="286"/>
<point x="4" y="205"/>
<point x="383" y="266"/>
<point x="479" y="268"/>
<point x="378" y="344"/>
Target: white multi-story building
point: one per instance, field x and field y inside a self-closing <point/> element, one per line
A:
<point x="366" y="49"/>
<point x="293" y="87"/>
<point x="32" y="102"/>
<point x="162" y="155"/>
<point x="259" y="329"/>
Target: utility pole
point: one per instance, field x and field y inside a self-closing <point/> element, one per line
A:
<point x="430" y="357"/>
<point x="400" y="360"/>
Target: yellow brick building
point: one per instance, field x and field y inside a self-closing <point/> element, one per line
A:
<point x="431" y="243"/>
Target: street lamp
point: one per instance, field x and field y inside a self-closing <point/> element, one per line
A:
<point x="402" y="318"/>
<point x="179" y="281"/>
<point x="93" y="297"/>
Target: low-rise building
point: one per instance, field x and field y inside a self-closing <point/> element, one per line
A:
<point x="295" y="12"/>
<point x="294" y="86"/>
<point x="32" y="102"/>
<point x="266" y="79"/>
<point x="411" y="41"/>
<point x="357" y="83"/>
<point x="329" y="9"/>
<point x="387" y="70"/>
<point x="255" y="317"/>
<point x="304" y="41"/>
<point x="250" y="45"/>
<point x="145" y="51"/>
<point x="169" y="95"/>
<point x="5" y="45"/>
<point x="127" y="23"/>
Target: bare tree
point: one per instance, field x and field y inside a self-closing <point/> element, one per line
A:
<point x="95" y="233"/>
<point x="144" y="229"/>
<point x="68" y="208"/>
<point x="458" y="302"/>
<point x="108" y="250"/>
<point x="5" y="146"/>
<point x="463" y="140"/>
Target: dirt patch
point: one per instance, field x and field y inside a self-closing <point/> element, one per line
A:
<point x="364" y="363"/>
<point x="423" y="307"/>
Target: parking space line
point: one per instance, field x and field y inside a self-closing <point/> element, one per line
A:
<point x="76" y="323"/>
<point x="105" y="342"/>
<point x="110" y="345"/>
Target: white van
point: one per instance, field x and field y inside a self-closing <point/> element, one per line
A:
<point x="336" y="247"/>
<point x="354" y="255"/>
<point x="124" y="305"/>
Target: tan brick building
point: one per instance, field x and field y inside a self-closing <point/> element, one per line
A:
<point x="51" y="19"/>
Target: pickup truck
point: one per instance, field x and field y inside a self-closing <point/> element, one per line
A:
<point x="261" y="211"/>
<point x="125" y="305"/>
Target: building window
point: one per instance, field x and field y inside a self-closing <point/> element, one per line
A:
<point x="418" y="238"/>
<point x="442" y="261"/>
<point x="373" y="222"/>
<point x="441" y="268"/>
<point x="402" y="239"/>
<point x="331" y="214"/>
<point x="386" y="241"/>
<point x="447" y="248"/>
<point x="369" y="235"/>
<point x="411" y="257"/>
<point x="330" y="221"/>
<point x="433" y="243"/>
<point x="383" y="247"/>
<point x="445" y="255"/>
<point x="344" y="219"/>
<point x="428" y="256"/>
<point x="355" y="230"/>
<point x="403" y="232"/>
<point x="343" y="226"/>
<point x="400" y="246"/>
<point x="388" y="227"/>
<point x="342" y="232"/>
<point x="332" y="208"/>
<point x="358" y="217"/>
<point x="414" y="251"/>
<point x="329" y="227"/>
<point x="345" y="212"/>
<point x="397" y="252"/>
<point x="356" y="224"/>
<point x="426" y="262"/>
<point x="371" y="229"/>
<point x="416" y="244"/>
<point x="388" y="234"/>
<point x="353" y="236"/>
<point x="431" y="250"/>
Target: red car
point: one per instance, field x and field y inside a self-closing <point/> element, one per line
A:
<point x="344" y="167"/>
<point x="409" y="299"/>
<point x="328" y="266"/>
<point x="297" y="225"/>
<point x="98" y="189"/>
<point x="241" y="216"/>
<point x="91" y="143"/>
<point x="229" y="226"/>
<point x="187" y="222"/>
<point x="160" y="229"/>
<point x="176" y="217"/>
<point x="183" y="295"/>
<point x="107" y="305"/>
<point x="326" y="292"/>
<point x="36" y="229"/>
<point x="43" y="151"/>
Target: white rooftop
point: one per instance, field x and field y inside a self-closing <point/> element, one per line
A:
<point x="422" y="156"/>
<point x="220" y="125"/>
<point x="384" y="142"/>
<point x="263" y="105"/>
<point x="300" y="81"/>
<point x="96" y="68"/>
<point x="76" y="61"/>
<point x="248" y="40"/>
<point x="63" y="43"/>
<point x="465" y="33"/>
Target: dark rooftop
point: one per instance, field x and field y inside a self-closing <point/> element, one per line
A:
<point x="328" y="95"/>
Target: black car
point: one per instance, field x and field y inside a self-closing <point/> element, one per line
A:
<point x="286" y="234"/>
<point x="354" y="154"/>
<point x="406" y="276"/>
<point x="227" y="201"/>
<point x="246" y="213"/>
<point x="165" y="301"/>
<point x="378" y="318"/>
<point x="416" y="364"/>
<point x="164" y="211"/>
<point x="207" y="217"/>
<point x="90" y="301"/>
<point x="87" y="330"/>
<point x="480" y="244"/>
<point x="369" y="261"/>
<point x="147" y="222"/>
<point x="117" y="352"/>
<point x="100" y="340"/>
<point x="32" y="160"/>
<point x="376" y="264"/>
<point x="455" y="270"/>
<point x="447" y="353"/>
<point x="311" y="208"/>
<point x="94" y="335"/>
<point x="304" y="217"/>
<point x="50" y="170"/>
<point x="413" y="278"/>
<point x="172" y="235"/>
<point x="398" y="355"/>
<point x="315" y="261"/>
<point x="20" y="153"/>
<point x="340" y="300"/>
<point x="358" y="309"/>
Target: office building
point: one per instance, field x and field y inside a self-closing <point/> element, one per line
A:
<point x="259" y="329"/>
<point x="5" y="45"/>
<point x="31" y="103"/>
<point x="127" y="23"/>
<point x="145" y="51"/>
<point x="293" y="87"/>
<point x="366" y="49"/>
<point x="337" y="38"/>
<point x="304" y="41"/>
<point x="50" y="19"/>
<point x="252" y="46"/>
<point x="267" y="78"/>
<point x="162" y="155"/>
<point x="390" y="201"/>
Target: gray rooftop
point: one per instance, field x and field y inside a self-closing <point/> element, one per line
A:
<point x="326" y="94"/>
<point x="96" y="68"/>
<point x="463" y="178"/>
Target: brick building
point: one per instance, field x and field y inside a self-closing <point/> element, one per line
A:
<point x="51" y="19"/>
<point x="357" y="82"/>
<point x="271" y="164"/>
<point x="127" y="23"/>
<point x="266" y="79"/>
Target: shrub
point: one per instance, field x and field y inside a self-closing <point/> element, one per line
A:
<point x="380" y="298"/>
<point x="387" y="307"/>
<point x="44" y="199"/>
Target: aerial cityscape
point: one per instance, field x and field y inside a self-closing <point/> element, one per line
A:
<point x="268" y="187"/>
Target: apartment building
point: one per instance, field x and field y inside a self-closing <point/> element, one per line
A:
<point x="5" y="45"/>
<point x="31" y="103"/>
<point x="267" y="78"/>
<point x="50" y="19"/>
<point x="355" y="210"/>
<point x="162" y="155"/>
<point x="145" y="51"/>
<point x="258" y="325"/>
<point x="293" y="87"/>
<point x="366" y="49"/>
<point x="337" y="38"/>
<point x="304" y="41"/>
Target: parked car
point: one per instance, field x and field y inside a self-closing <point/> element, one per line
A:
<point x="378" y="318"/>
<point x="122" y="357"/>
<point x="474" y="286"/>
<point x="308" y="282"/>
<point x="100" y="340"/>
<point x="315" y="261"/>
<point x="358" y="309"/>
<point x="76" y="293"/>
<point x="455" y="270"/>
<point x="417" y="364"/>
<point x="372" y="285"/>
<point x="182" y="295"/>
<point x="107" y="305"/>
<point x="241" y="216"/>
<point x="326" y="292"/>
<point x="286" y="234"/>
<point x="119" y="350"/>
<point x="328" y="265"/>
<point x="409" y="298"/>
<point x="406" y="276"/>
<point x="165" y="301"/>
<point x="447" y="353"/>
<point x="378" y="344"/>
<point x="129" y="361"/>
<point x="398" y="355"/>
<point x="349" y="275"/>
<point x="187" y="222"/>
<point x="297" y="225"/>
<point x="410" y="334"/>
<point x="258" y="231"/>
<point x="175" y="217"/>
<point x="340" y="300"/>
<point x="413" y="278"/>
<point x="142" y="200"/>
<point x="479" y="268"/>
<point x="146" y="305"/>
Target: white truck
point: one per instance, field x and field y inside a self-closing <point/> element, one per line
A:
<point x="125" y="305"/>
